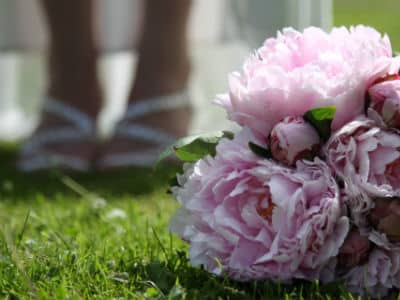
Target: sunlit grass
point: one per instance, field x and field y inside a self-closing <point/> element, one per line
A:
<point x="105" y="236"/>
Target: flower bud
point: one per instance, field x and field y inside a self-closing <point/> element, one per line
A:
<point x="293" y="139"/>
<point x="385" y="217"/>
<point x="354" y="250"/>
<point x="385" y="100"/>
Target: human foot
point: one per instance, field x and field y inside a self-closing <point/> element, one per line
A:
<point x="66" y="135"/>
<point x="64" y="139"/>
<point x="147" y="128"/>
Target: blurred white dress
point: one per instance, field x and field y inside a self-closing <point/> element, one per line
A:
<point x="221" y="31"/>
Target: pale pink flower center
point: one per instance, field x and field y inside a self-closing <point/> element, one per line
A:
<point x="265" y="207"/>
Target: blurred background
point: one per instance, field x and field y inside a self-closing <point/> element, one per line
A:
<point x="222" y="33"/>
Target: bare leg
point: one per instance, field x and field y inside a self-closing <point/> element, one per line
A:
<point x="72" y="74"/>
<point x="163" y="69"/>
<point x="72" y="58"/>
<point x="163" y="55"/>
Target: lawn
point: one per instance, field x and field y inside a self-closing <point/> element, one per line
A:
<point x="383" y="15"/>
<point x="105" y="236"/>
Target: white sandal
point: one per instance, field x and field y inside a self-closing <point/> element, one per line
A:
<point x="34" y="155"/>
<point x="128" y="128"/>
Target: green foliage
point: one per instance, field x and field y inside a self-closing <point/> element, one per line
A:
<point x="192" y="148"/>
<point x="259" y="150"/>
<point x="382" y="15"/>
<point x="321" y="119"/>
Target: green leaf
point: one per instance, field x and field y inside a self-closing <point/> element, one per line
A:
<point x="171" y="183"/>
<point x="259" y="150"/>
<point x="192" y="148"/>
<point x="321" y="119"/>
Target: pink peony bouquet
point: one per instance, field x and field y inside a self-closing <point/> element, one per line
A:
<point x="310" y="186"/>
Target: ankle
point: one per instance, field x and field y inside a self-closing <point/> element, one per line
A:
<point x="74" y="81"/>
<point x="85" y="96"/>
<point x="160" y="78"/>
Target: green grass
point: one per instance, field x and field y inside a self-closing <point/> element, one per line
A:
<point x="381" y="14"/>
<point x="105" y="236"/>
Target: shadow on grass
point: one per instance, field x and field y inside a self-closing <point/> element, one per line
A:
<point x="134" y="181"/>
<point x="178" y="277"/>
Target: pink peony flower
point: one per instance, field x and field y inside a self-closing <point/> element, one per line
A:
<point x="376" y="277"/>
<point x="293" y="139"/>
<point x="295" y="72"/>
<point x="385" y="100"/>
<point x="367" y="159"/>
<point x="254" y="219"/>
<point x="375" y="218"/>
<point x="354" y="250"/>
<point x="366" y="156"/>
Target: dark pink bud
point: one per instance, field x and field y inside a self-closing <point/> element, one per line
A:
<point x="385" y="217"/>
<point x="385" y="100"/>
<point x="354" y="250"/>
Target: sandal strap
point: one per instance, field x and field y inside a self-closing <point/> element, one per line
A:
<point x="157" y="104"/>
<point x="80" y="127"/>
<point x="131" y="128"/>
<point x="144" y="133"/>
<point x="53" y="136"/>
<point x="72" y="115"/>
